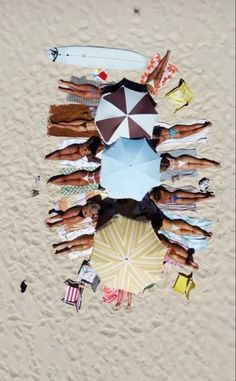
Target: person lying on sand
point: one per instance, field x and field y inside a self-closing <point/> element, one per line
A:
<point x="185" y="163"/>
<point x="83" y="242"/>
<point x="76" y="128"/>
<point x="178" y="131"/>
<point x="157" y="74"/>
<point x="160" y="195"/>
<point x="86" y="91"/>
<point x="77" y="151"/>
<point x="74" y="215"/>
<point x="77" y="178"/>
<point x="179" y="254"/>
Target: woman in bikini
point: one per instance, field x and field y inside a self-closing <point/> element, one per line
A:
<point x="77" y="128"/>
<point x="86" y="91"/>
<point x="185" y="163"/>
<point x="157" y="74"/>
<point x="178" y="253"/>
<point x="74" y="215"/>
<point x="160" y="195"/>
<point x="178" y="131"/>
<point x="77" y="178"/>
<point x="73" y="120"/>
<point x="74" y="152"/>
<point x="83" y="242"/>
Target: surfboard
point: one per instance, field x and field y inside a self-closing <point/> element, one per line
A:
<point x="97" y="57"/>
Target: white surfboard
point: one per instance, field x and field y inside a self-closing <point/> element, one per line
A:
<point x="97" y="57"/>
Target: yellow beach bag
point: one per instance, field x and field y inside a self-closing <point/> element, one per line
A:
<point x="184" y="284"/>
<point x="180" y="96"/>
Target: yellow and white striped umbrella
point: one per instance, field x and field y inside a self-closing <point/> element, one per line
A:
<point x="128" y="255"/>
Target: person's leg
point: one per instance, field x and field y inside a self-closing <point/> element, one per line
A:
<point x="71" y="131"/>
<point x="93" y="93"/>
<point x="129" y="296"/>
<point x="193" y="195"/>
<point x="191" y="127"/>
<point x="182" y="227"/>
<point x="61" y="154"/>
<point x="79" y="87"/>
<point x="83" y="239"/>
<point x="68" y="250"/>
<point x="119" y="299"/>
<point x="75" y="178"/>
<point x="184" y="261"/>
<point x="187" y="162"/>
<point x="158" y="72"/>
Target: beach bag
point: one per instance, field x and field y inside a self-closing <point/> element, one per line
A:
<point x="180" y="96"/>
<point x="184" y="284"/>
<point x="88" y="275"/>
<point x="73" y="294"/>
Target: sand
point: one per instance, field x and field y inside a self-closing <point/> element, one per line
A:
<point x="164" y="338"/>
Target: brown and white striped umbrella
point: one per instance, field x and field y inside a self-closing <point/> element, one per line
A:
<point x="125" y="113"/>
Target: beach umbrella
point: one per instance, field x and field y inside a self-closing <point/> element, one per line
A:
<point x="128" y="255"/>
<point x="127" y="112"/>
<point x="130" y="168"/>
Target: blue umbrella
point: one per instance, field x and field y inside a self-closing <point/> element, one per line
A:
<point x="130" y="168"/>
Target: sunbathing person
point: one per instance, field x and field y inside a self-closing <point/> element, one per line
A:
<point x="77" y="128"/>
<point x="74" y="215"/>
<point x="77" y="178"/>
<point x="77" y="151"/>
<point x="178" y="131"/>
<point x="179" y="254"/>
<point x="83" y="242"/>
<point x="185" y="163"/>
<point x="160" y="195"/>
<point x="157" y="73"/>
<point x="86" y="91"/>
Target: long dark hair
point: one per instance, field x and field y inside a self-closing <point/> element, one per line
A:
<point x="93" y="143"/>
<point x="165" y="163"/>
<point x="156" y="192"/>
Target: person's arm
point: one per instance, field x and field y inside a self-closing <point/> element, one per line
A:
<point x="93" y="158"/>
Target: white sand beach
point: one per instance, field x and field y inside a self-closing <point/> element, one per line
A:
<point x="164" y="337"/>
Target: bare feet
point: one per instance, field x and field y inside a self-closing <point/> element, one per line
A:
<point x="117" y="306"/>
<point x="207" y="124"/>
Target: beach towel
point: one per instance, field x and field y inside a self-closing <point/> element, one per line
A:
<point x="152" y="64"/>
<point x="69" y="113"/>
<point x="180" y="96"/>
